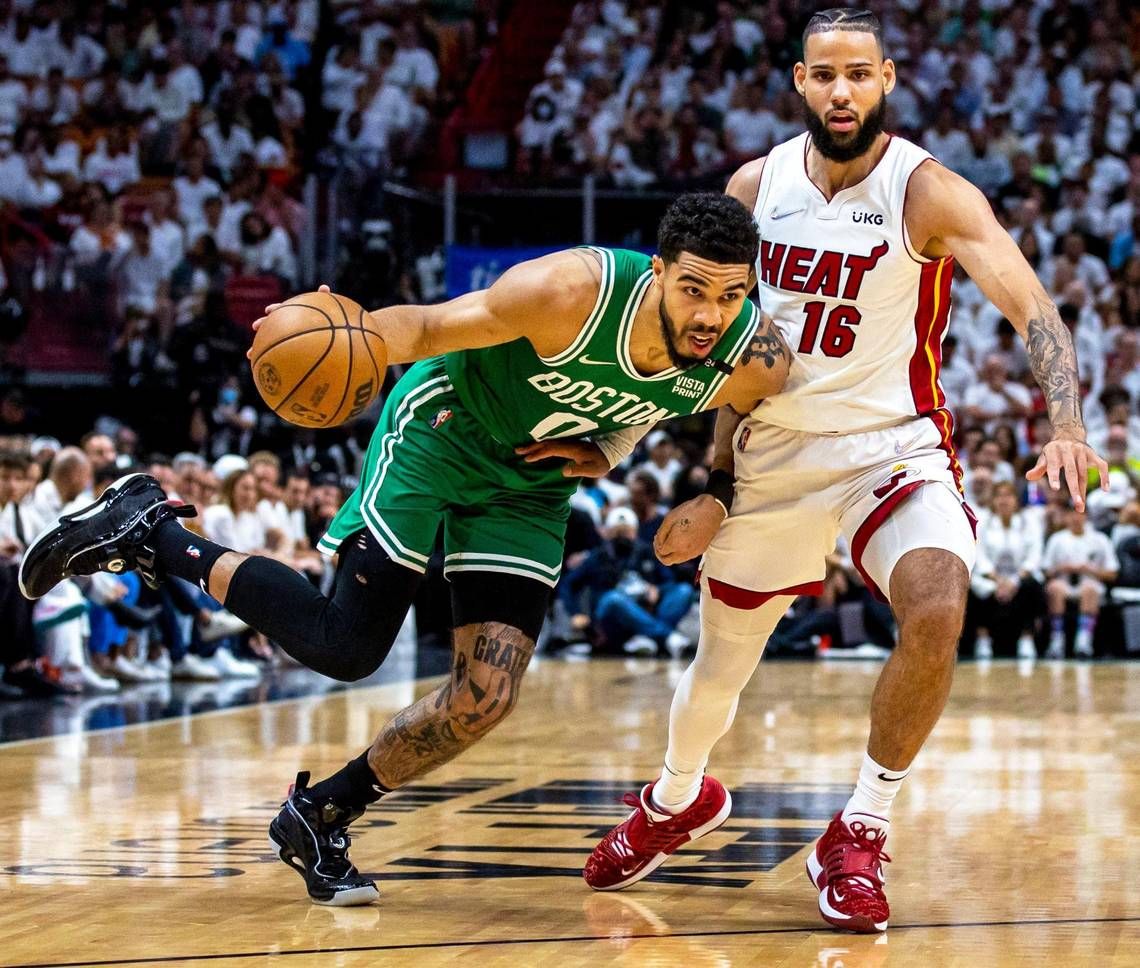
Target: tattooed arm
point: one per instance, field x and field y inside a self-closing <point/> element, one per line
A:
<point x="946" y="215"/>
<point x="761" y="372"/>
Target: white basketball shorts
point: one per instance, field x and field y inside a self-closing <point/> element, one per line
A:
<point x="796" y="492"/>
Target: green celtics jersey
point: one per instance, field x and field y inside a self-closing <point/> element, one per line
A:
<point x="592" y="387"/>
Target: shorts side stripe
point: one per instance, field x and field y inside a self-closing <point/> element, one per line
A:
<point x="371" y="514"/>
<point x="468" y="556"/>
<point x="501" y="569"/>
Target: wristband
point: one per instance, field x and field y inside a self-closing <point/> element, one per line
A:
<point x="722" y="488"/>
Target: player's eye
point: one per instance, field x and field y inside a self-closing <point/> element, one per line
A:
<point x="692" y="291"/>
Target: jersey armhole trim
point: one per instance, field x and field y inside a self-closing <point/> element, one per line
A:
<point x="910" y="250"/>
<point x="601" y="304"/>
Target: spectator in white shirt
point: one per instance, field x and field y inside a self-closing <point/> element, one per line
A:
<point x="145" y="278"/>
<point x="956" y="374"/>
<point x="663" y="464"/>
<point x="109" y="97"/>
<point x="13" y="170"/>
<point x="113" y="163"/>
<point x="234" y="521"/>
<point x="414" y="66"/>
<point x="61" y="155"/>
<point x="227" y="140"/>
<point x="749" y="128"/>
<point x="183" y="75"/>
<point x="38" y="190"/>
<point x="1078" y="562"/>
<point x="79" y="56"/>
<point x="167" y="237"/>
<point x="170" y="102"/>
<point x="266" y="250"/>
<point x="1075" y="263"/>
<point x="342" y="77"/>
<point x="949" y="144"/>
<point x="100" y="239"/>
<point x="54" y="101"/>
<point x="1005" y="589"/>
<point x="194" y="187"/>
<point x="13" y="97"/>
<point x="995" y="398"/>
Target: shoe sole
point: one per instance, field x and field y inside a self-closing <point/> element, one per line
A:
<point x="353" y="898"/>
<point x="817" y="874"/>
<point x="659" y="859"/>
<point x="65" y="521"/>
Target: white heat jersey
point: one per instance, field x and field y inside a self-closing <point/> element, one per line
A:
<point x="863" y="313"/>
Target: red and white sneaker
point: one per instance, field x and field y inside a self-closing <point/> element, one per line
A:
<point x="846" y="867"/>
<point x="640" y="844"/>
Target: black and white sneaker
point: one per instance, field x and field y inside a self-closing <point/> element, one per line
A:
<point x="109" y="535"/>
<point x="312" y="838"/>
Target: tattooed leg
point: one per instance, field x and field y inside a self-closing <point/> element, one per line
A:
<point x="488" y="664"/>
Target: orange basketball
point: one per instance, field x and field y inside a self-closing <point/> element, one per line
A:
<point x="317" y="360"/>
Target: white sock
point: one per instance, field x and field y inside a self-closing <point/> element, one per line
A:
<point x="676" y="791"/>
<point x="870" y="804"/>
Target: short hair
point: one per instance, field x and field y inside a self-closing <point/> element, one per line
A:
<point x="265" y="457"/>
<point x="15" y="460"/>
<point x="648" y="481"/>
<point x="710" y="226"/>
<point x="844" y="18"/>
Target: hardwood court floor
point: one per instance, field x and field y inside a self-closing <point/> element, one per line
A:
<point x="1014" y="838"/>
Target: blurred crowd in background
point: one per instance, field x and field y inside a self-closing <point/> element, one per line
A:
<point x="152" y="161"/>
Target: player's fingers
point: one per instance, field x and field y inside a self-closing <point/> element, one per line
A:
<point x="1082" y="460"/>
<point x="1102" y="470"/>
<point x="1054" y="471"/>
<point x="323" y="287"/>
<point x="271" y="307"/>
<point x="1076" y="491"/>
<point x="1037" y="471"/>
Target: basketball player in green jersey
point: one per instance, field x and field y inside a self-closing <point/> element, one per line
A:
<point x="572" y="356"/>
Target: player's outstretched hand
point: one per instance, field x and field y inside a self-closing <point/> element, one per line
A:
<point x="1072" y="457"/>
<point x="584" y="459"/>
<point x="688" y="529"/>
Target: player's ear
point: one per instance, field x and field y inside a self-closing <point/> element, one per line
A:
<point x="658" y="268"/>
<point x="888" y="76"/>
<point x="799" y="76"/>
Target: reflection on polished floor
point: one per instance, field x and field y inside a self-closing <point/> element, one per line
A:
<point x="1014" y="841"/>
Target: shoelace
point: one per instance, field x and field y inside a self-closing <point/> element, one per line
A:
<point x="863" y="887"/>
<point x="656" y="835"/>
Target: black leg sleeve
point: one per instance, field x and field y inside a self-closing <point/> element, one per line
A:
<point x="344" y="637"/>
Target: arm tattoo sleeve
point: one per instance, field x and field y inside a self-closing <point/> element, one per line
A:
<point x="766" y="344"/>
<point x="1054" y="363"/>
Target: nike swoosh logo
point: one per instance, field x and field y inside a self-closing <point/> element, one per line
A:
<point x="776" y="216"/>
<point x="892" y="779"/>
<point x="588" y="362"/>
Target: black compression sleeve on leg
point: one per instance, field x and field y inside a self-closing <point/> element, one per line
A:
<point x="487" y="596"/>
<point x="344" y="637"/>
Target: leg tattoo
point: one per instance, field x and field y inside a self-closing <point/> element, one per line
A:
<point x="488" y="665"/>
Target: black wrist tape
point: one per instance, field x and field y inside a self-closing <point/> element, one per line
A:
<point x="722" y="486"/>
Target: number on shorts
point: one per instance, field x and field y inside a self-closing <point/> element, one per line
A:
<point x="562" y="425"/>
<point x="838" y="333"/>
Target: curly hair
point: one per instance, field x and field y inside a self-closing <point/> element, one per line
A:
<point x="709" y="226"/>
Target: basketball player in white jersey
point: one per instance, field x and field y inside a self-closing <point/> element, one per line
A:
<point x="859" y="234"/>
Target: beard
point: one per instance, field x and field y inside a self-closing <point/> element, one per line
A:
<point x="852" y="146"/>
<point x="680" y="360"/>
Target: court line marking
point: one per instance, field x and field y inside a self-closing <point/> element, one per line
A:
<point x="490" y="942"/>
